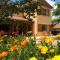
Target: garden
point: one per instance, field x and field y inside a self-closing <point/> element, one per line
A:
<point x="16" y="47"/>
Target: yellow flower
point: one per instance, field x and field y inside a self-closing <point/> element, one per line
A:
<point x="58" y="35"/>
<point x="49" y="40"/>
<point x="51" y="50"/>
<point x="48" y="59"/>
<point x="43" y="49"/>
<point x="56" y="57"/>
<point x="1" y="40"/>
<point x="18" y="47"/>
<point x="33" y="58"/>
<point x="40" y="46"/>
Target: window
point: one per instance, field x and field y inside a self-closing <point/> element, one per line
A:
<point x="44" y="27"/>
<point x="43" y="12"/>
<point x="39" y="27"/>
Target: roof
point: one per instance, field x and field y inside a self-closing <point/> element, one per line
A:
<point x="47" y="4"/>
<point x="57" y="26"/>
<point x="18" y="18"/>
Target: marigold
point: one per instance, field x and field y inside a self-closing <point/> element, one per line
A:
<point x="58" y="35"/>
<point x="48" y="59"/>
<point x="42" y="38"/>
<point x="23" y="43"/>
<point x="43" y="49"/>
<point x="33" y="58"/>
<point x="49" y="40"/>
<point x="1" y="40"/>
<point x="4" y="54"/>
<point x="13" y="48"/>
<point x="51" y="50"/>
<point x="39" y="47"/>
<point x="57" y="57"/>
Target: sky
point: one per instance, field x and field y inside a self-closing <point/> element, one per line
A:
<point x="54" y="6"/>
<point x="57" y="0"/>
<point x="51" y="2"/>
<point x="47" y="0"/>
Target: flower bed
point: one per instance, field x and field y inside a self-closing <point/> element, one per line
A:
<point x="20" y="48"/>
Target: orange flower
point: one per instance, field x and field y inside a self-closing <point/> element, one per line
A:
<point x="4" y="54"/>
<point x="13" y="48"/>
<point x="43" y="38"/>
<point x="23" y="43"/>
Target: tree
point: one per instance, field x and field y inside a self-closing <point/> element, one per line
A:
<point x="8" y="7"/>
<point x="56" y="20"/>
<point x="56" y="12"/>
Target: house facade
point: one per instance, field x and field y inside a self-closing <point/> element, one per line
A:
<point x="41" y="23"/>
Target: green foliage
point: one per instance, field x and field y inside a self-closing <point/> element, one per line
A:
<point x="6" y="20"/>
<point x="57" y="10"/>
<point x="56" y="20"/>
<point x="20" y="38"/>
<point x="29" y="50"/>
